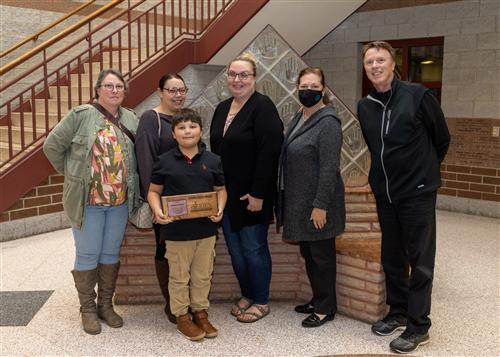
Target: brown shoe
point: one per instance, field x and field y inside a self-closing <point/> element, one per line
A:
<point x="189" y="329"/>
<point x="200" y="318"/>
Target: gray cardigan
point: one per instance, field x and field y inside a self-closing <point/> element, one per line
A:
<point x="310" y="177"/>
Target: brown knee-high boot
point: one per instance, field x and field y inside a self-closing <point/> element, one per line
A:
<point x="162" y="272"/>
<point x="85" y="283"/>
<point x="108" y="273"/>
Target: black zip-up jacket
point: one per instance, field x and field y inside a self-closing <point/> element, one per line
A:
<point x="408" y="138"/>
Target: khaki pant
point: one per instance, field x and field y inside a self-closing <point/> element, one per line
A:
<point x="191" y="264"/>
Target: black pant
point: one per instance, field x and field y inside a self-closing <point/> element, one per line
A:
<point x="161" y="248"/>
<point x="408" y="253"/>
<point x="321" y="268"/>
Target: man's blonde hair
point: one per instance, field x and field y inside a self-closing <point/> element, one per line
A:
<point x="380" y="45"/>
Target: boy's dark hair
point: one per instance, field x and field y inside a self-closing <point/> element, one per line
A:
<point x="184" y="115"/>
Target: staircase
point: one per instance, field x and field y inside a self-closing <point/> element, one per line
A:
<point x="29" y="126"/>
<point x="162" y="38"/>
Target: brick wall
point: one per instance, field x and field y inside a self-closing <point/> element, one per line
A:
<point x="471" y="168"/>
<point x="41" y="200"/>
<point x="471" y="182"/>
<point x="360" y="280"/>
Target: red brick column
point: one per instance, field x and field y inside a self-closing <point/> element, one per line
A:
<point x="137" y="281"/>
<point x="360" y="280"/>
<point x="42" y="199"/>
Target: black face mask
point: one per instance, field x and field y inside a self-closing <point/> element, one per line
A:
<point x="310" y="97"/>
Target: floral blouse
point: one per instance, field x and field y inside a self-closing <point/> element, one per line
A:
<point x="108" y="184"/>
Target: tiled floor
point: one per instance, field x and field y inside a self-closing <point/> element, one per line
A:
<point x="465" y="311"/>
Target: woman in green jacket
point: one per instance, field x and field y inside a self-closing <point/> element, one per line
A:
<point x="93" y="147"/>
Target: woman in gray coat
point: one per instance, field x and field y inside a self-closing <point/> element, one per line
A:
<point x="312" y="208"/>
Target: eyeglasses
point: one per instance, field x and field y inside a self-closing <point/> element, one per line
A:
<point x="175" y="90"/>
<point x="243" y="75"/>
<point x="110" y="87"/>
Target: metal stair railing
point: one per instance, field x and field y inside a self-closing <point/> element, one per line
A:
<point x="128" y="41"/>
<point x="37" y="34"/>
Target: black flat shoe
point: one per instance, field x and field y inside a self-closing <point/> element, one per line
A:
<point x="304" y="309"/>
<point x="314" y="320"/>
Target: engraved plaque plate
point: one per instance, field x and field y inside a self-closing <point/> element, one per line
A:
<point x="195" y="205"/>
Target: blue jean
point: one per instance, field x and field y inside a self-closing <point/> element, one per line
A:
<point x="250" y="258"/>
<point x="101" y="235"/>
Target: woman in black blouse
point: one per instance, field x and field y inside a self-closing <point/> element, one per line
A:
<point x="247" y="132"/>
<point x="154" y="137"/>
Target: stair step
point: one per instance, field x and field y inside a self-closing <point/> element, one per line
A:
<point x="134" y="53"/>
<point x="85" y="91"/>
<point x="64" y="91"/>
<point x="28" y="119"/>
<point x="52" y="105"/>
<point x="4" y="150"/>
<point x="84" y="80"/>
<point x="96" y="66"/>
<point x="16" y="134"/>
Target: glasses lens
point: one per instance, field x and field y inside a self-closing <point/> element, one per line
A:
<point x="176" y="90"/>
<point x="243" y="75"/>
<point x="111" y="87"/>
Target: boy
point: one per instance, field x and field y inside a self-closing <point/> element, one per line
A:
<point x="190" y="243"/>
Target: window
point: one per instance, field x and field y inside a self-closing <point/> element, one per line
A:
<point x="417" y="60"/>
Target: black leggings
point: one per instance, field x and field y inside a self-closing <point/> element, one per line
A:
<point x="161" y="248"/>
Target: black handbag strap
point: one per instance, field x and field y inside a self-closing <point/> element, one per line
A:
<point x="114" y="121"/>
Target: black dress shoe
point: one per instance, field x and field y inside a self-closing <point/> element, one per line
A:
<point x="304" y="309"/>
<point x="314" y="320"/>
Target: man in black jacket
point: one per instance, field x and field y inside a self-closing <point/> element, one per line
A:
<point x="406" y="132"/>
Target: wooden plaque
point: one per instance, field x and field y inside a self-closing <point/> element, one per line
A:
<point x="194" y="205"/>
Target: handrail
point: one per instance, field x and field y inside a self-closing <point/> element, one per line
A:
<point x="34" y="37"/>
<point x="146" y="42"/>
<point x="56" y="86"/>
<point x="57" y="37"/>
